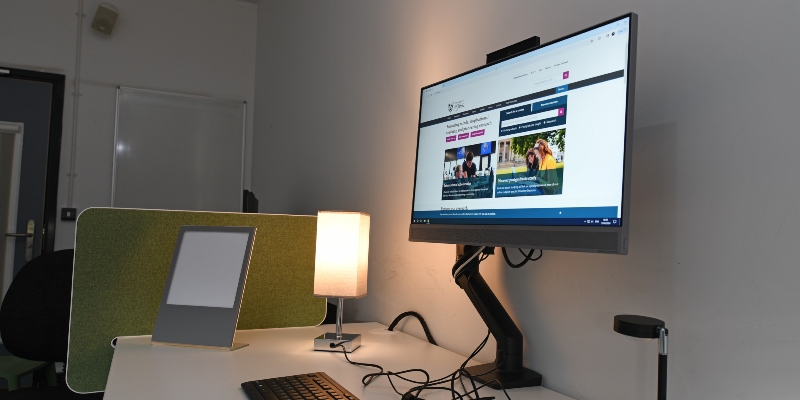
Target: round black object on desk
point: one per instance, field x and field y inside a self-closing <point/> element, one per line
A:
<point x="638" y="326"/>
<point x="647" y="328"/>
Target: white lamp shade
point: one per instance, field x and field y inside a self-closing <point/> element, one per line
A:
<point x="342" y="253"/>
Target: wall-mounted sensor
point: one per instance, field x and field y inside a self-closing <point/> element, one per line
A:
<point x="69" y="214"/>
<point x="105" y="18"/>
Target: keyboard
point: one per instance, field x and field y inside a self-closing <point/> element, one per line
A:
<point x="314" y="386"/>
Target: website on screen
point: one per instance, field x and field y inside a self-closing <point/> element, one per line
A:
<point x="535" y="139"/>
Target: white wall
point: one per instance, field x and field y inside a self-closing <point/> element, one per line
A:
<point x="715" y="202"/>
<point x="204" y="47"/>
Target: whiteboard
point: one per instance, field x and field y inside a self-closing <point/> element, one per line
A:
<point x="178" y="152"/>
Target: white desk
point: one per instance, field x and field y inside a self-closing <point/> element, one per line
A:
<point x="140" y="370"/>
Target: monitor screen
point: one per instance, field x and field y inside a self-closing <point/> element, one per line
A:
<point x="533" y="150"/>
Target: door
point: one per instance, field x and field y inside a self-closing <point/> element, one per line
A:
<point x="33" y="102"/>
<point x="11" y="135"/>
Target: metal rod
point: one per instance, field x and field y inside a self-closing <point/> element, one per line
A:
<point x="663" y="335"/>
<point x="339" y="314"/>
<point x="662" y="377"/>
<point x="76" y="101"/>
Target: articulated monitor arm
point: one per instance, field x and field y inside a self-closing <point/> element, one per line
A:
<point x="507" y="367"/>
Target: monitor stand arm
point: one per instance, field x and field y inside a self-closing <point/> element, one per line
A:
<point x="507" y="367"/>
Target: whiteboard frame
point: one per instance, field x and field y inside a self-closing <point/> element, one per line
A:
<point x="116" y="135"/>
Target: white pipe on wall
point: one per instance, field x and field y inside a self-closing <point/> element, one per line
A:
<point x="76" y="96"/>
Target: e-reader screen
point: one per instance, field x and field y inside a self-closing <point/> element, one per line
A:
<point x="208" y="268"/>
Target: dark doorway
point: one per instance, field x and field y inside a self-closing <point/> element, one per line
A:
<point x="36" y="100"/>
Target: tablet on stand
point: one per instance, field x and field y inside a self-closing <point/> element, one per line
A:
<point x="203" y="293"/>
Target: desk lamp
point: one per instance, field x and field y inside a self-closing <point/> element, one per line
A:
<point x="340" y="269"/>
<point x="647" y="328"/>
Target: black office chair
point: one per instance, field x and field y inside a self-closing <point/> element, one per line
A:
<point x="34" y="320"/>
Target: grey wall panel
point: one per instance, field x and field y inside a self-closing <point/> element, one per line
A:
<point x="178" y="152"/>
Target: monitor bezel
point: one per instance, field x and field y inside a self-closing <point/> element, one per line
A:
<point x="476" y="234"/>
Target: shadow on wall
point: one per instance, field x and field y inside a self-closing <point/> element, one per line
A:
<point x="565" y="303"/>
<point x="654" y="208"/>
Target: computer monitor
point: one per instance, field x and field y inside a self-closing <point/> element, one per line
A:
<point x="532" y="151"/>
<point x="536" y="152"/>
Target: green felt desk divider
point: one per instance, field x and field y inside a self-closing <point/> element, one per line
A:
<point x="122" y="257"/>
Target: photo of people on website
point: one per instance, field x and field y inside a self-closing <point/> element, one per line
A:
<point x="531" y="165"/>
<point x="468" y="172"/>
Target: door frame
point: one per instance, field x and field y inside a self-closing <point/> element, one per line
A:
<point x="15" y="128"/>
<point x="53" y="148"/>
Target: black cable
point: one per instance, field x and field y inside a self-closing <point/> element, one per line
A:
<point x="452" y="376"/>
<point x="464" y="364"/>
<point x="428" y="383"/>
<point x="421" y="321"/>
<point x="462" y="370"/>
<point x="367" y="379"/>
<point x="528" y="257"/>
<point x="498" y="362"/>
<point x="457" y="375"/>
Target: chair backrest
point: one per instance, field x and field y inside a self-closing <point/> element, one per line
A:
<point x="122" y="258"/>
<point x="34" y="317"/>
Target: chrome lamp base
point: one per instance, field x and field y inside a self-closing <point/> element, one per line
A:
<point x="329" y="342"/>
